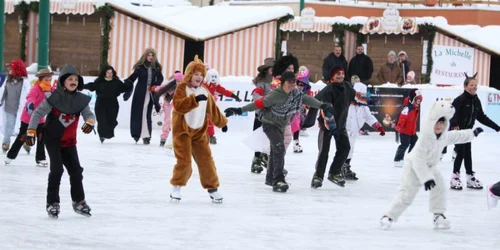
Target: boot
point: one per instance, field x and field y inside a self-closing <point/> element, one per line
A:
<point x="473" y="182"/>
<point x="337" y="179"/>
<point x="53" y="210"/>
<point x="146" y="140"/>
<point x="316" y="182"/>
<point x="455" y="182"/>
<point x="347" y="173"/>
<point x="215" y="195"/>
<point x="82" y="208"/>
<point x="213" y="140"/>
<point x="5" y="147"/>
<point x="256" y="165"/>
<point x="162" y="143"/>
<point x="175" y="195"/>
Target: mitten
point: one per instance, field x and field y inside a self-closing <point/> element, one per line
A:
<point x="429" y="185"/>
<point x="232" y="111"/>
<point x="379" y="128"/>
<point x="224" y="129"/>
<point x="200" y="98"/>
<point x="127" y="95"/>
<point x="30" y="108"/>
<point x="478" y="131"/>
<point x="88" y="127"/>
<point x="30" y="137"/>
<point x="236" y="97"/>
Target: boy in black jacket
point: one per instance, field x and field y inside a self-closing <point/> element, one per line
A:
<point x="63" y="108"/>
<point x="468" y="110"/>
<point x="340" y="93"/>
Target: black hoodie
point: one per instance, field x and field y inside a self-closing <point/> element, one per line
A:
<point x="331" y="61"/>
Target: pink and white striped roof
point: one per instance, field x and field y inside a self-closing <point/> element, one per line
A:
<point x="83" y="7"/>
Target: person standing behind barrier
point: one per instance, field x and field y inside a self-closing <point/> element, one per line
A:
<point x="361" y="65"/>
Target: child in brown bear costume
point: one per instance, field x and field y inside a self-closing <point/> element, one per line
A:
<point x="194" y="106"/>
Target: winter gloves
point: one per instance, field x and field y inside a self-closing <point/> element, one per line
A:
<point x="429" y="185"/>
<point x="233" y="111"/>
<point x="127" y="95"/>
<point x="30" y="108"/>
<point x="200" y="98"/>
<point x="224" y="129"/>
<point x="377" y="126"/>
<point x="30" y="137"/>
<point x="236" y="97"/>
<point x="477" y="131"/>
<point x="88" y="127"/>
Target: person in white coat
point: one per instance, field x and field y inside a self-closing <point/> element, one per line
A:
<point x="420" y="165"/>
<point x="359" y="114"/>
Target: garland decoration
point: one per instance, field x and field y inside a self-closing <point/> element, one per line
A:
<point x="431" y="33"/>
<point x="108" y="13"/>
<point x="280" y="21"/>
<point x="25" y="9"/>
<point x="339" y="30"/>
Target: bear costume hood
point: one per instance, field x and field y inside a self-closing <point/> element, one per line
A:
<point x="439" y="110"/>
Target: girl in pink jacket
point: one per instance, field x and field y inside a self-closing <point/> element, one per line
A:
<point x="34" y="98"/>
<point x="168" y="89"/>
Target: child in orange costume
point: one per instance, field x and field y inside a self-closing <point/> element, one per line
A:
<point x="194" y="106"/>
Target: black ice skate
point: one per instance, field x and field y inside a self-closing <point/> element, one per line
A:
<point x="162" y="143"/>
<point x="146" y="141"/>
<point x="347" y="173"/>
<point x="82" y="208"/>
<point x="215" y="195"/>
<point x="27" y="148"/>
<point x="102" y="139"/>
<point x="337" y="179"/>
<point x="440" y="222"/>
<point x="280" y="186"/>
<point x="213" y="140"/>
<point x="316" y="182"/>
<point x="256" y="165"/>
<point x="53" y="210"/>
<point x="264" y="159"/>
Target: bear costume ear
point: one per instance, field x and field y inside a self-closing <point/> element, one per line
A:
<point x="466" y="76"/>
<point x="474" y="76"/>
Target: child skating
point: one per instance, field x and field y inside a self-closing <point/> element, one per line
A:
<point x="63" y="109"/>
<point x="420" y="167"/>
<point x="168" y="90"/>
<point x="407" y="126"/>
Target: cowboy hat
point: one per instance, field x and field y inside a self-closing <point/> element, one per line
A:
<point x="268" y="63"/>
<point x="44" y="72"/>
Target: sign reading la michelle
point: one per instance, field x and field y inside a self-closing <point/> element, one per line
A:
<point x="450" y="64"/>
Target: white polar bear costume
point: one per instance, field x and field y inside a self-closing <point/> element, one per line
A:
<point x="420" y="164"/>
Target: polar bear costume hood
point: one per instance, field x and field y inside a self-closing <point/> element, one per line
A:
<point x="439" y="109"/>
<point x="212" y="77"/>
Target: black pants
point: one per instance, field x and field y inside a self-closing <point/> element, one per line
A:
<point x="343" y="147"/>
<point x="463" y="154"/>
<point x="296" y="135"/>
<point x="256" y="125"/>
<point x="277" y="155"/>
<point x="69" y="158"/>
<point x="21" y="138"/>
<point x="495" y="189"/>
<point x="407" y="141"/>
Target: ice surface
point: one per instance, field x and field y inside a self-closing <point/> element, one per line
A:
<point x="128" y="188"/>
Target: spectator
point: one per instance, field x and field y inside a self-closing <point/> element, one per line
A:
<point x="333" y="59"/>
<point x="390" y="71"/>
<point x="361" y="65"/>
<point x="410" y="78"/>
<point x="405" y="64"/>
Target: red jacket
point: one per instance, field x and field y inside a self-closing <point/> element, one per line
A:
<point x="407" y="122"/>
<point x="217" y="88"/>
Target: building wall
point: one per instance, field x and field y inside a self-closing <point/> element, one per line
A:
<point x="482" y="60"/>
<point x="378" y="48"/>
<point x="240" y="53"/>
<point x="75" y="39"/>
<point x="12" y="37"/>
<point x="294" y="5"/>
<point x="311" y="48"/>
<point x="129" y="38"/>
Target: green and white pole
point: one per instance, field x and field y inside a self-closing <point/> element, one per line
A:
<point x="43" y="34"/>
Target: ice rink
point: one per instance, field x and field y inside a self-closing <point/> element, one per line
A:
<point x="127" y="187"/>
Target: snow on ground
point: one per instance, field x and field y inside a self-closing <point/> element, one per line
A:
<point x="128" y="188"/>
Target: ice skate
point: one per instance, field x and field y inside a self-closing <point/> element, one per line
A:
<point x="27" y="148"/>
<point x="102" y="139"/>
<point x="280" y="187"/>
<point x="316" y="182"/>
<point x="53" y="210"/>
<point x="146" y="141"/>
<point x="473" y="182"/>
<point x="162" y="143"/>
<point x="491" y="199"/>
<point x="440" y="222"/>
<point x="385" y="222"/>
<point x="213" y="140"/>
<point x="297" y="148"/>
<point x="455" y="182"/>
<point x="337" y="179"/>
<point x="175" y="196"/>
<point x="399" y="164"/>
<point x="5" y="147"/>
<point x="8" y="161"/>
<point x="215" y="196"/>
<point x="82" y="208"/>
<point x="256" y="165"/>
<point x="347" y="173"/>
<point x="42" y="163"/>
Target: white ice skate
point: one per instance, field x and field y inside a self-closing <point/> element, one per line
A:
<point x="296" y="147"/>
<point x="175" y="196"/>
<point x="440" y="222"/>
<point x="42" y="164"/>
<point x="473" y="182"/>
<point x="455" y="182"/>
<point x="215" y="196"/>
<point x="491" y="199"/>
<point x="7" y="161"/>
<point x="385" y="222"/>
<point x="399" y="164"/>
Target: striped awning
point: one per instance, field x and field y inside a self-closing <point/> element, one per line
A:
<point x="82" y="7"/>
<point x="319" y="26"/>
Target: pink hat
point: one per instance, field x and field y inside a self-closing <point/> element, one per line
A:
<point x="411" y="75"/>
<point x="178" y="76"/>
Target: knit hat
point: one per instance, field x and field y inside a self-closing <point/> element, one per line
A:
<point x="354" y="79"/>
<point x="391" y="53"/>
<point x="195" y="66"/>
<point x="402" y="52"/>
<point x="414" y="95"/>
<point x="303" y="75"/>
<point x="410" y="76"/>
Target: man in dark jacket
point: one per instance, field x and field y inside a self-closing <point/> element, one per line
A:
<point x="340" y="94"/>
<point x="332" y="60"/>
<point x="361" y="65"/>
<point x="468" y="109"/>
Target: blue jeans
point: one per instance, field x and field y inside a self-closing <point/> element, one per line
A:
<point x="10" y="123"/>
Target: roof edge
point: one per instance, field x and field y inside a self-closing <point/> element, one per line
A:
<point x="466" y="41"/>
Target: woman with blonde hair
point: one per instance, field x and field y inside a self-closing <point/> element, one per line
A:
<point x="147" y="72"/>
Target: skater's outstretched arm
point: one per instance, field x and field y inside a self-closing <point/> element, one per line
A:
<point x="459" y="136"/>
<point x="264" y="102"/>
<point x="39" y="113"/>
<point x="88" y="116"/>
<point x="311" y="101"/>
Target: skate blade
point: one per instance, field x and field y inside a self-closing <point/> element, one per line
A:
<point x="219" y="201"/>
<point x="385" y="226"/>
<point x="442" y="226"/>
<point x="174" y="199"/>
<point x="83" y="214"/>
<point x="455" y="188"/>
<point x="53" y="216"/>
<point x="476" y="188"/>
<point x="42" y="165"/>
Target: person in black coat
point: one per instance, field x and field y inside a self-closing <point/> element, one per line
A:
<point x="361" y="65"/>
<point x="340" y="94"/>
<point x="332" y="60"/>
<point x="468" y="109"/>
<point x="147" y="72"/>
<point x="107" y="87"/>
